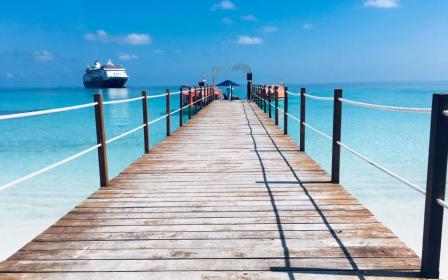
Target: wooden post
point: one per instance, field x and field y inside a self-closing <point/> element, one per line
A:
<point x="276" y="104"/>
<point x="196" y="100"/>
<point x="190" y="108"/>
<point x="337" y="124"/>
<point x="145" y="120"/>
<point x="302" y="118"/>
<point x="168" y="112"/>
<point x="285" y="112"/>
<point x="101" y="139"/>
<point x="265" y="95"/>
<point x="208" y="95"/>
<point x="181" y="104"/>
<point x="249" y="85"/>
<point x="200" y="98"/>
<point x="269" y="102"/>
<point x="435" y="187"/>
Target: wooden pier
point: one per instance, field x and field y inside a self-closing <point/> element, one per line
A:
<point x="226" y="196"/>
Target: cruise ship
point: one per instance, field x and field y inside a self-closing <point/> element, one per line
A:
<point x="105" y="76"/>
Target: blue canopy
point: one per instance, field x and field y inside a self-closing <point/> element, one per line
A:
<point x="227" y="83"/>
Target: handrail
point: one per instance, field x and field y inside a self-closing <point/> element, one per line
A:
<point x="382" y="168"/>
<point x="158" y="119"/>
<point x="48" y="168"/>
<point x="293" y="93"/>
<point x="318" y="131"/>
<point x="157" y="96"/>
<point x="323" y="98"/>
<point x="385" y="107"/>
<point x="122" y="101"/>
<point x="442" y="203"/>
<point x="46" y="112"/>
<point x="125" y="134"/>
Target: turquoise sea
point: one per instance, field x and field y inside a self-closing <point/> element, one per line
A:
<point x="398" y="141"/>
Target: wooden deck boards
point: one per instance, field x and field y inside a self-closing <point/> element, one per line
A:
<point x="227" y="196"/>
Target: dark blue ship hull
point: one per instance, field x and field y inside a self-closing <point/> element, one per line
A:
<point x="111" y="83"/>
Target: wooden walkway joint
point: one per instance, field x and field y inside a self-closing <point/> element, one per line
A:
<point x="226" y="196"/>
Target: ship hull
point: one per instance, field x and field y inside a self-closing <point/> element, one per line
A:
<point x="110" y="83"/>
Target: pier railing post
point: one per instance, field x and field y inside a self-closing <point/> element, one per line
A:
<point x="265" y="95"/>
<point x="145" y="120"/>
<point x="285" y="111"/>
<point x="190" y="108"/>
<point x="435" y="187"/>
<point x="168" y="112"/>
<point x="302" y="118"/>
<point x="101" y="139"/>
<point x="269" y="101"/>
<point x="276" y="104"/>
<point x="196" y="100"/>
<point x="249" y="85"/>
<point x="337" y="125"/>
<point x="181" y="104"/>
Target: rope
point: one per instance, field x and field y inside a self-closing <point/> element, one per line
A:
<point x="319" y="97"/>
<point x="48" y="168"/>
<point x="122" y="101"/>
<point x="46" y="112"/>
<point x="406" y="182"/>
<point x="318" y="131"/>
<point x="386" y="108"/>
<point x="158" y="119"/>
<point x="125" y="134"/>
<point x="442" y="203"/>
<point x="156" y="96"/>
<point x="291" y="116"/>
<point x="174" y="93"/>
<point x="292" y="93"/>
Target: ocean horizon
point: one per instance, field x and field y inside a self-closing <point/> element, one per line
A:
<point x="397" y="140"/>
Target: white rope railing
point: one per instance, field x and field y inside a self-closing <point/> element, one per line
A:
<point x="386" y="108"/>
<point x="323" y="98"/>
<point x="318" y="131"/>
<point x="293" y="93"/>
<point x="48" y="168"/>
<point x="125" y="134"/>
<point x="158" y="119"/>
<point x="157" y="96"/>
<point x="292" y="117"/>
<point x="174" y="93"/>
<point x="123" y="100"/>
<point x="46" y="112"/>
<point x="380" y="167"/>
<point x="442" y="203"/>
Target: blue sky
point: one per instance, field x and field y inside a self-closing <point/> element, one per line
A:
<point x="49" y="43"/>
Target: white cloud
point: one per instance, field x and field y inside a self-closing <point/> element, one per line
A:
<point x="127" y="56"/>
<point x="227" y="21"/>
<point x="224" y="5"/>
<point x="249" y="18"/>
<point x="307" y="26"/>
<point x="8" y="75"/>
<point x="136" y="39"/>
<point x="159" y="51"/>
<point x="130" y="39"/>
<point x="43" y="56"/>
<point x="99" y="35"/>
<point x="385" y="4"/>
<point x="270" y="29"/>
<point x="248" y="40"/>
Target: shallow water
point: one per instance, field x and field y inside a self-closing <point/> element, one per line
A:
<point x="399" y="141"/>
